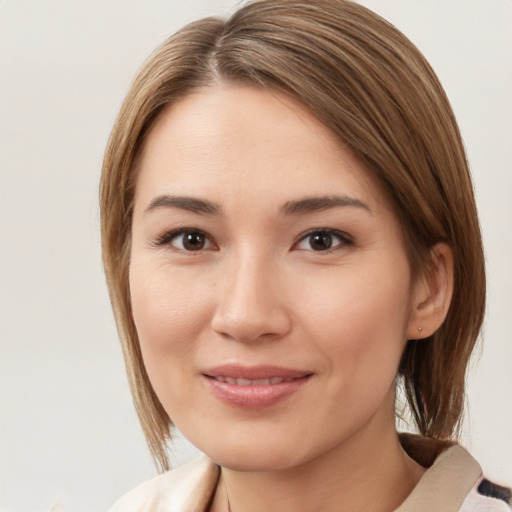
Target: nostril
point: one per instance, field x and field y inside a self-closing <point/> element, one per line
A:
<point x="249" y="305"/>
<point x="249" y="329"/>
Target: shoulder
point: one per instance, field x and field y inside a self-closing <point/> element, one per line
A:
<point x="453" y="480"/>
<point x="189" y="487"/>
<point x="487" y="497"/>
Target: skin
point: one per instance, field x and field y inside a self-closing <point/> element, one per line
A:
<point x="257" y="293"/>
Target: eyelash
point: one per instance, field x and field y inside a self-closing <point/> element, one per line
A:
<point x="344" y="239"/>
<point x="167" y="238"/>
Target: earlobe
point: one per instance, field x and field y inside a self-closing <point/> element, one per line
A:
<point x="432" y="294"/>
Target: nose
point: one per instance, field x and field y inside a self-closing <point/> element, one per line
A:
<point x="251" y="302"/>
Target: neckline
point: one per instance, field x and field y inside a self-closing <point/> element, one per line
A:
<point x="451" y="474"/>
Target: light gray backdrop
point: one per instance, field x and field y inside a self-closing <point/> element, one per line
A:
<point x="68" y="430"/>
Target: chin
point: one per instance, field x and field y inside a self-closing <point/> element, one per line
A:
<point x="253" y="456"/>
<point x="259" y="462"/>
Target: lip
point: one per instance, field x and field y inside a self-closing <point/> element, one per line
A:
<point x="254" y="387"/>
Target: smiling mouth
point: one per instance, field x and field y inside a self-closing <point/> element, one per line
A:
<point x="241" y="381"/>
<point x="254" y="387"/>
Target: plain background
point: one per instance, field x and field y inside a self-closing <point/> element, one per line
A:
<point x="68" y="430"/>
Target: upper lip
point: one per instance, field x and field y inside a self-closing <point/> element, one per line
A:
<point x="254" y="372"/>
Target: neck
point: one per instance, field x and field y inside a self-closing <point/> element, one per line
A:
<point x="367" y="472"/>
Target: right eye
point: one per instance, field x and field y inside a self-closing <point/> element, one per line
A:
<point x="187" y="240"/>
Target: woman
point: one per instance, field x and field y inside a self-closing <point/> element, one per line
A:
<point x="289" y="233"/>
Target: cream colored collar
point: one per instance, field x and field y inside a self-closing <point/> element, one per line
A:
<point x="445" y="484"/>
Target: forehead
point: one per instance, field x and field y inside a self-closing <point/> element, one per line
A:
<point x="240" y="142"/>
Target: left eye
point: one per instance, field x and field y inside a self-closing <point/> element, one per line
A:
<point x="322" y="240"/>
<point x="189" y="240"/>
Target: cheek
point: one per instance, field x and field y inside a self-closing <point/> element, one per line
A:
<point x="168" y="311"/>
<point x="359" y="321"/>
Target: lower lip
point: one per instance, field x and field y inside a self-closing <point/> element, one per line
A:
<point x="255" y="397"/>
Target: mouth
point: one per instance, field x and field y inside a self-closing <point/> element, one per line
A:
<point x="241" y="381"/>
<point x="254" y="387"/>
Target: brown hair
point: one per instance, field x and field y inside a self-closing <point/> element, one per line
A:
<point x="370" y="85"/>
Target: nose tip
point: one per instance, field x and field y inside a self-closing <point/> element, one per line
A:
<point x="250" y="309"/>
<point x="248" y="326"/>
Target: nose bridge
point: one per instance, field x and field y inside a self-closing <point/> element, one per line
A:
<point x="250" y="302"/>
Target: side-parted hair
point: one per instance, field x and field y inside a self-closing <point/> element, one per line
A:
<point x="374" y="90"/>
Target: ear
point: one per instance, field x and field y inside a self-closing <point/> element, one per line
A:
<point x="432" y="294"/>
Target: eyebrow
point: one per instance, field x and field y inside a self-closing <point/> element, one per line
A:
<point x="318" y="204"/>
<point x="298" y="207"/>
<point x="190" y="204"/>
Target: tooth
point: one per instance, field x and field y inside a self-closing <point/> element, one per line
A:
<point x="230" y="380"/>
<point x="276" y="380"/>
<point x="261" y="382"/>
<point x="243" y="382"/>
<point x="220" y="379"/>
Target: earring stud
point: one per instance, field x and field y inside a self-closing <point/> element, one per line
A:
<point x="420" y="328"/>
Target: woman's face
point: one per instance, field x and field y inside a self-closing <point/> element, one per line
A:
<point x="270" y="284"/>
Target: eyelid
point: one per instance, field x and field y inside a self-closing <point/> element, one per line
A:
<point x="345" y="239"/>
<point x="167" y="238"/>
